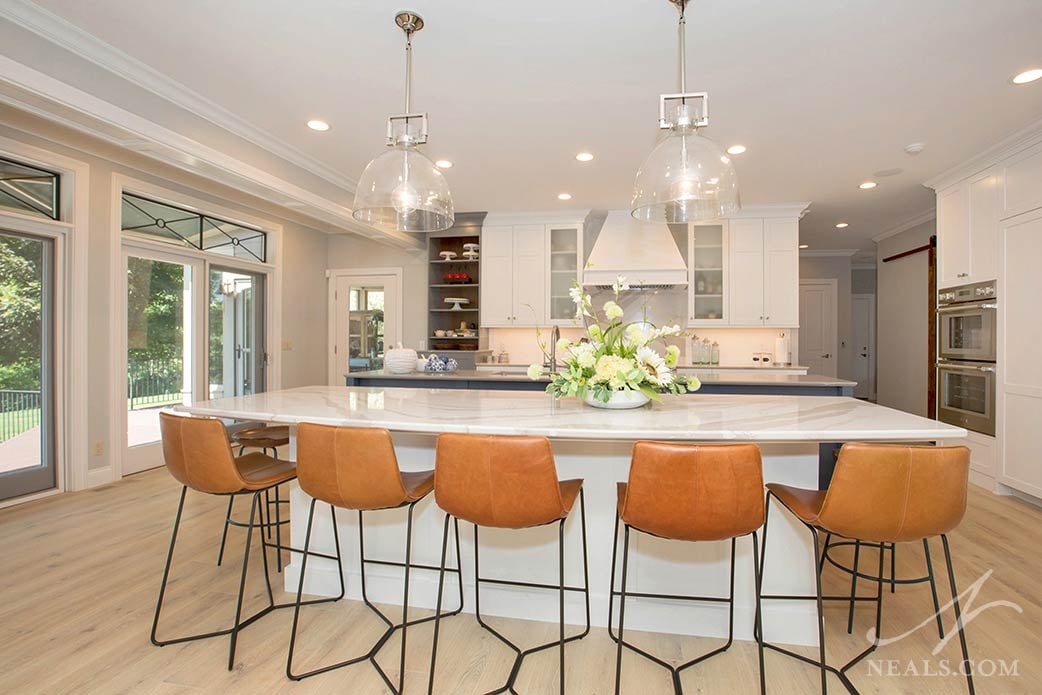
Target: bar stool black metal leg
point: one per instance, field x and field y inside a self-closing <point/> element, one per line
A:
<point x="622" y="610"/>
<point x="967" y="665"/>
<point x="825" y="552"/>
<point x="437" y="608"/>
<point x="853" y="582"/>
<point x="757" y="626"/>
<point x="224" y="534"/>
<point x="278" y="531"/>
<point x="242" y="582"/>
<point x="560" y="565"/>
<point x="405" y="600"/>
<point x="933" y="588"/>
<point x="893" y="568"/>
<point x="758" y="619"/>
<point x="821" y="619"/>
<point x="267" y="509"/>
<point x="300" y="590"/>
<point x="166" y="569"/>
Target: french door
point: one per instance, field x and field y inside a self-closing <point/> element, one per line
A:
<point x="365" y="321"/>
<point x="194" y="331"/>
<point x="27" y="380"/>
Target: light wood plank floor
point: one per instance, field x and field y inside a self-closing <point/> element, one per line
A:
<point x="80" y="574"/>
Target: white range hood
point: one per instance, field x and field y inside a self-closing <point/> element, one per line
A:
<point x="645" y="253"/>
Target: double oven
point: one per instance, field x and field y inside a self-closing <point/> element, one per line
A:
<point x="967" y="340"/>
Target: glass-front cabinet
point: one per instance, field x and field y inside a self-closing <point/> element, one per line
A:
<point x="565" y="265"/>
<point x="707" y="275"/>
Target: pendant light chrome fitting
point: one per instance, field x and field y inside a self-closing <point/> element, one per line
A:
<point x="687" y="177"/>
<point x="402" y="190"/>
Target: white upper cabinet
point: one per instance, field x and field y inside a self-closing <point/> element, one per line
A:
<point x="529" y="303"/>
<point x="707" y="274"/>
<point x="497" y="275"/>
<point x="564" y="268"/>
<point x="761" y="271"/>
<point x="1022" y="174"/>
<point x="524" y="270"/>
<point x="746" y="272"/>
<point x="781" y="297"/>
<point x="967" y="230"/>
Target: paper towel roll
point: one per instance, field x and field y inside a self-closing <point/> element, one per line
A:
<point x="781" y="350"/>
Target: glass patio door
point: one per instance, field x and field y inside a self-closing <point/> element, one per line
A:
<point x="365" y="323"/>
<point x="27" y="421"/>
<point x="236" y="345"/>
<point x="162" y="330"/>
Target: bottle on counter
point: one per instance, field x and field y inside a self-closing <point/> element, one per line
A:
<point x="714" y="358"/>
<point x="707" y="351"/>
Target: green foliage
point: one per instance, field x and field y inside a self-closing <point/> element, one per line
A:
<point x="21" y="293"/>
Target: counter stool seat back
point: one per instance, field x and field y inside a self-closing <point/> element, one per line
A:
<point x="694" y="493"/>
<point x="501" y="482"/>
<point x="893" y="494"/>
<point x="197" y="454"/>
<point x="355" y="468"/>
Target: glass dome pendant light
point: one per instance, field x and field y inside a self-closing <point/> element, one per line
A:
<point x="687" y="177"/>
<point x="402" y="190"/>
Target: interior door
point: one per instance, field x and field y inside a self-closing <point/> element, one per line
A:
<point x="863" y="318"/>
<point x="818" y="327"/>
<point x="27" y="436"/>
<point x="164" y="347"/>
<point x="365" y="323"/>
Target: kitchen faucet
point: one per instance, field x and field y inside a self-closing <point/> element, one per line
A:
<point x="555" y="335"/>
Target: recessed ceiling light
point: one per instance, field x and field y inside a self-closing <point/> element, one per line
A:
<point x="584" y="157"/>
<point x="320" y="126"/>
<point x="804" y="246"/>
<point x="443" y="164"/>
<point x="736" y="149"/>
<point x="841" y="225"/>
<point x="868" y="184"/>
<point x="915" y="148"/>
<point x="564" y="196"/>
<point x="1027" y="76"/>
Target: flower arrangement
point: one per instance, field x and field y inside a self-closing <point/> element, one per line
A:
<point x="615" y="356"/>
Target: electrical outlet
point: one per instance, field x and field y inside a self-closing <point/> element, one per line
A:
<point x="99" y="448"/>
<point x="287" y="345"/>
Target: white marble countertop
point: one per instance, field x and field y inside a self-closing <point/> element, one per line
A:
<point x="769" y="378"/>
<point x="689" y="417"/>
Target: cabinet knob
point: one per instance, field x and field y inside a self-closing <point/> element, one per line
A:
<point x="826" y="356"/>
<point x="768" y="318"/>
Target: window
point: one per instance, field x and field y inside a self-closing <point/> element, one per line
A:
<point x="175" y="225"/>
<point x="28" y="190"/>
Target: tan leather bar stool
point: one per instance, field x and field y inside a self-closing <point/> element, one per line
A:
<point x="689" y="493"/>
<point x="263" y="438"/>
<point x="507" y="483"/>
<point x="197" y="454"/>
<point x="880" y="494"/>
<point x="356" y="468"/>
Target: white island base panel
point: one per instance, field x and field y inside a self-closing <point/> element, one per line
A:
<point x="656" y="565"/>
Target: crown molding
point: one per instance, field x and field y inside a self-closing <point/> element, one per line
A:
<point x="31" y="90"/>
<point x="919" y="219"/>
<point x="827" y="253"/>
<point x="545" y="217"/>
<point x="1021" y="139"/>
<point x="72" y="38"/>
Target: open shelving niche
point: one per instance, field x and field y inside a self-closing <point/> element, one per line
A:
<point x="441" y="316"/>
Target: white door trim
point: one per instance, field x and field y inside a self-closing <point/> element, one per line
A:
<point x="122" y="244"/>
<point x="833" y="285"/>
<point x="871" y="298"/>
<point x="332" y="275"/>
<point x="71" y="451"/>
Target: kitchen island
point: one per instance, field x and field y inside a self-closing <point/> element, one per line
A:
<point x="713" y="382"/>
<point x="595" y="445"/>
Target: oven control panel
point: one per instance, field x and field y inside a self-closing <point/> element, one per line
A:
<point x="966" y="293"/>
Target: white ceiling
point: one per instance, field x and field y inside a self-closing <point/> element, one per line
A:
<point x="823" y="93"/>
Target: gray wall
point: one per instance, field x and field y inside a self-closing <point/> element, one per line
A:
<point x="863" y="281"/>
<point x="837" y="268"/>
<point x="303" y="261"/>
<point x="902" y="324"/>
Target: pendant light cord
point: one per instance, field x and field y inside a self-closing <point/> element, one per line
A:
<point x="408" y="71"/>
<point x="683" y="52"/>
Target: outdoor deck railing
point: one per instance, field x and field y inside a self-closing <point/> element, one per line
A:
<point x="19" y="412"/>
